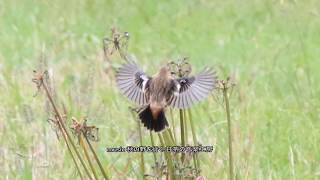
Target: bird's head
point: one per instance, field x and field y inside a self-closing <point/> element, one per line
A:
<point x="165" y="71"/>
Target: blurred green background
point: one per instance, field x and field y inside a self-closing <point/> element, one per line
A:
<point x="271" y="48"/>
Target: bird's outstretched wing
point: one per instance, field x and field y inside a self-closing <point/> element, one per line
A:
<point x="189" y="90"/>
<point x="133" y="83"/>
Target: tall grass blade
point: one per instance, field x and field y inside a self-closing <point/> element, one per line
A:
<point x="226" y="100"/>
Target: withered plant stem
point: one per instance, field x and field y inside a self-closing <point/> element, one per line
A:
<point x="142" y="168"/>
<point x="168" y="158"/>
<point x="173" y="126"/>
<point x="63" y="127"/>
<point x="195" y="141"/>
<point x="152" y="143"/>
<point x="85" y="150"/>
<point x="226" y="100"/>
<point x="69" y="149"/>
<point x="172" y="137"/>
<point x="97" y="159"/>
<point x="185" y="118"/>
<point x="182" y="128"/>
<point x="124" y="55"/>
<point x="141" y="154"/>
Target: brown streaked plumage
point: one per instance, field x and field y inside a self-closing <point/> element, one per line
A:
<point x="155" y="93"/>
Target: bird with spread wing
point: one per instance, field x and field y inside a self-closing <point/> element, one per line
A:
<point x="155" y="93"/>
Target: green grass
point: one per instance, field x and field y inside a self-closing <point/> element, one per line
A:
<point x="271" y="48"/>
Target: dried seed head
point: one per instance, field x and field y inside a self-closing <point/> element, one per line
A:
<point x="90" y="132"/>
<point x="180" y="68"/>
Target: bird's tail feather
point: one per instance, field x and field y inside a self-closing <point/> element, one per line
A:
<point x="156" y="124"/>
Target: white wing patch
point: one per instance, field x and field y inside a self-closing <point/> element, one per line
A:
<point x="132" y="83"/>
<point x="144" y="82"/>
<point x="190" y="90"/>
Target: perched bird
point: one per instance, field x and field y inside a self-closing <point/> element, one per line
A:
<point x="155" y="93"/>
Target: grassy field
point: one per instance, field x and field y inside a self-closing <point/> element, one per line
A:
<point x="271" y="48"/>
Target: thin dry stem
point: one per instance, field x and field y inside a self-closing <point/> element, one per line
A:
<point x="226" y="100"/>
<point x="69" y="149"/>
<point x="85" y="150"/>
<point x="97" y="159"/>
<point x="182" y="128"/>
<point x="152" y="143"/>
<point x="40" y="83"/>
